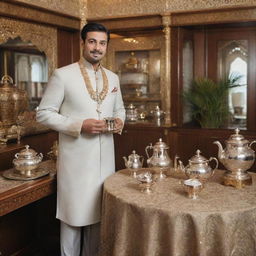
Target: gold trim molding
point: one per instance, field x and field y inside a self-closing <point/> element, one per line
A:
<point x="242" y="14"/>
<point x="70" y="7"/>
<point x="44" y="38"/>
<point x="132" y="23"/>
<point x="38" y="15"/>
<point x="120" y="8"/>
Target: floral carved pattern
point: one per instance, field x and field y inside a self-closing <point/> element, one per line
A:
<point x="70" y="7"/>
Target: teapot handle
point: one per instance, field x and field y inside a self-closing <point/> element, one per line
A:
<point x="252" y="143"/>
<point x="217" y="164"/>
<point x="146" y="149"/>
<point x="142" y="160"/>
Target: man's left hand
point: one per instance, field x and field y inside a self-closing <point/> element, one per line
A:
<point x="118" y="125"/>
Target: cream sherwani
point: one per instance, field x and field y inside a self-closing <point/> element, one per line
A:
<point x="85" y="160"/>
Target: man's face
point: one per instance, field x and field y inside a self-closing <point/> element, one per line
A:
<point x="95" y="46"/>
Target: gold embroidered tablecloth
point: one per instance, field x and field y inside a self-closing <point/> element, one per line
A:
<point x="222" y="222"/>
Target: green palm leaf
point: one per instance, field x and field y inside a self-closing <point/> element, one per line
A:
<point x="208" y="100"/>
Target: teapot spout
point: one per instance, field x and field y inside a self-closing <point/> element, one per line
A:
<point x="181" y="166"/>
<point x="125" y="160"/>
<point x="220" y="152"/>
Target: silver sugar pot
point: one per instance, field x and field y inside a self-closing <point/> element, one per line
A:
<point x="198" y="167"/>
<point x="160" y="160"/>
<point x="26" y="161"/>
<point x="237" y="158"/>
<point x="134" y="162"/>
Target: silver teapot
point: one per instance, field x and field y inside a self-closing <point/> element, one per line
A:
<point x="134" y="162"/>
<point x="160" y="159"/>
<point x="198" y="167"/>
<point x="26" y="161"/>
<point x="237" y="157"/>
<point x="157" y="113"/>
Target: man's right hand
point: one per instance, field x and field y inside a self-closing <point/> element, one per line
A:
<point x="93" y="126"/>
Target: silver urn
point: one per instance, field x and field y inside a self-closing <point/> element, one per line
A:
<point x="131" y="113"/>
<point x="160" y="160"/>
<point x="237" y="158"/>
<point x="198" y="167"/>
<point x="26" y="161"/>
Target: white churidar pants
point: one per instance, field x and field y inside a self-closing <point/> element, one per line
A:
<point x="70" y="240"/>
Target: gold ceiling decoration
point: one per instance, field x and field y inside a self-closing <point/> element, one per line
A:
<point x="70" y="7"/>
<point x="44" y="38"/>
<point x="115" y="8"/>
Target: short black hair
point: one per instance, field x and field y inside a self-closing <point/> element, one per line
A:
<point x="91" y="27"/>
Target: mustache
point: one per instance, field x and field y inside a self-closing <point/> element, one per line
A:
<point x="96" y="52"/>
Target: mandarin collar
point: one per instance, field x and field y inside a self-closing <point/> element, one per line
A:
<point x="89" y="66"/>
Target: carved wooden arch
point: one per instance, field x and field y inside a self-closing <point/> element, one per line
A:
<point x="43" y="37"/>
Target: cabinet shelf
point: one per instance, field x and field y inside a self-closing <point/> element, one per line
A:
<point x="141" y="99"/>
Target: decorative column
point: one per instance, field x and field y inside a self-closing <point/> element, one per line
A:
<point x="166" y="90"/>
<point x="83" y="12"/>
<point x="83" y="15"/>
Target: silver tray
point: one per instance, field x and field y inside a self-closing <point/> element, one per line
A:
<point x="13" y="174"/>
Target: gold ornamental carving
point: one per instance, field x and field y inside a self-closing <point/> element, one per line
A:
<point x="209" y="17"/>
<point x="166" y="20"/>
<point x="118" y="8"/>
<point x="70" y="7"/>
<point x="35" y="15"/>
<point x="83" y="12"/>
<point x="44" y="38"/>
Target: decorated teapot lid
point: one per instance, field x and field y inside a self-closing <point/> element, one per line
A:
<point x="198" y="158"/>
<point x="160" y="144"/>
<point x="237" y="138"/>
<point x="133" y="156"/>
<point x="131" y="106"/>
<point x="27" y="153"/>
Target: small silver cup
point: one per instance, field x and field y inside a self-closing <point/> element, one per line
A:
<point x="110" y="123"/>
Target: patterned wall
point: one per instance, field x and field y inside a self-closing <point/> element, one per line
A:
<point x="115" y="8"/>
<point x="71" y="7"/>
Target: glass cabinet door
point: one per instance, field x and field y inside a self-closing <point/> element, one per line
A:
<point x="233" y="62"/>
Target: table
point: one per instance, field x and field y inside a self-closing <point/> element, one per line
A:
<point x="222" y="222"/>
<point x="15" y="194"/>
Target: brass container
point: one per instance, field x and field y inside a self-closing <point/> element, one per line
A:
<point x="13" y="101"/>
<point x="237" y="157"/>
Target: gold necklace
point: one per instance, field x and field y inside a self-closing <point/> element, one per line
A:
<point x="95" y="95"/>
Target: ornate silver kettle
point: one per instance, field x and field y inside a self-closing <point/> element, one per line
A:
<point x="134" y="162"/>
<point x="27" y="160"/>
<point x="198" y="167"/>
<point x="237" y="157"/>
<point x="160" y="157"/>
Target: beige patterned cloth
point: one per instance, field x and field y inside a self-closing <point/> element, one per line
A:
<point x="222" y="222"/>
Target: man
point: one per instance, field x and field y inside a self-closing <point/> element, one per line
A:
<point x="77" y="99"/>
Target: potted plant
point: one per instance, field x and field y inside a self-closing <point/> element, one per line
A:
<point x="208" y="100"/>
